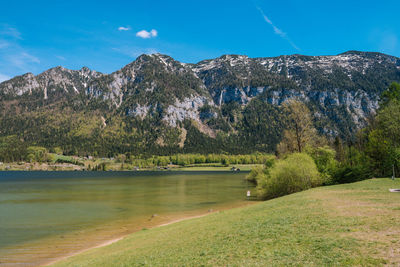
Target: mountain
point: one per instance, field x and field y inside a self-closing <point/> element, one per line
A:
<point x="159" y="105"/>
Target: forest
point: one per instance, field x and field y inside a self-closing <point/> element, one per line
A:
<point x="373" y="151"/>
<point x="307" y="159"/>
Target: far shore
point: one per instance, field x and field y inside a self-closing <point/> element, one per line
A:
<point x="26" y="166"/>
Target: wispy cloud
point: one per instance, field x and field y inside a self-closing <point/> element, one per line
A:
<point x="4" y="77"/>
<point x="61" y="58"/>
<point x="146" y="35"/>
<point x="14" y="57"/>
<point x="4" y="44"/>
<point x="278" y="31"/>
<point x="30" y="57"/>
<point x="7" y="30"/>
<point x="22" y="60"/>
<point x="122" y="28"/>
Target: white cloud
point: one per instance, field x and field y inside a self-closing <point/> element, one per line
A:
<point x="278" y="31"/>
<point x="4" y="77"/>
<point x="153" y="33"/>
<point x="124" y="28"/>
<point x="143" y="34"/>
<point x="146" y="35"/>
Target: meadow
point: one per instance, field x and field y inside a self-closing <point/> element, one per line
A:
<point x="354" y="224"/>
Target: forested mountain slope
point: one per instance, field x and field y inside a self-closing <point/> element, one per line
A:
<point x="159" y="105"/>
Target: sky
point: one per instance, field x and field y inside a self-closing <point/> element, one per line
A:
<point x="106" y="35"/>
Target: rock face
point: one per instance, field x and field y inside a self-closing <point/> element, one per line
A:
<point x="54" y="81"/>
<point x="347" y="85"/>
<point x="186" y="109"/>
<point x="341" y="90"/>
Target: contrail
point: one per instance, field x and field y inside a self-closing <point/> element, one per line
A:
<point x="278" y="31"/>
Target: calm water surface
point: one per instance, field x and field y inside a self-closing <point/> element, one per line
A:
<point x="48" y="215"/>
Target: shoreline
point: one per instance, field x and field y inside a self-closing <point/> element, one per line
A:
<point x="122" y="218"/>
<point x="114" y="240"/>
<point x="182" y="169"/>
<point x="34" y="167"/>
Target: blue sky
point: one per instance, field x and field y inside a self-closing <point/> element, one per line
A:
<point x="106" y="35"/>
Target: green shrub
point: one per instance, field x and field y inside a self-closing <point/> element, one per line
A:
<point x="36" y="154"/>
<point x="351" y="174"/>
<point x="58" y="150"/>
<point x="324" y="158"/>
<point x="295" y="173"/>
<point x="257" y="173"/>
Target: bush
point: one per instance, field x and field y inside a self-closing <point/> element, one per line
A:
<point x="350" y="174"/>
<point x="37" y="154"/>
<point x="324" y="158"/>
<point x="295" y="173"/>
<point x="257" y="173"/>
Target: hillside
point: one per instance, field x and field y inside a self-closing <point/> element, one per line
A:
<point x="344" y="225"/>
<point x="159" y="105"/>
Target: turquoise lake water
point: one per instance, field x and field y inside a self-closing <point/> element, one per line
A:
<point x="48" y="215"/>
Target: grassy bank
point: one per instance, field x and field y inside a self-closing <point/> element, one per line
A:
<point x="352" y="224"/>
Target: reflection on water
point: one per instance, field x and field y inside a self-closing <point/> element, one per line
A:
<point x="46" y="215"/>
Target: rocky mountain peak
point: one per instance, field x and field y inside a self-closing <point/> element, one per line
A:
<point x="85" y="69"/>
<point x="49" y="83"/>
<point x="342" y="89"/>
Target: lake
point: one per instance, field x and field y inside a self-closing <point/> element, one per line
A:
<point x="45" y="216"/>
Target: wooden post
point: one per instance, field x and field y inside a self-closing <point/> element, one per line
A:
<point x="393" y="176"/>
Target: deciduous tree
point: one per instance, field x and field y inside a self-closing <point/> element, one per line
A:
<point x="300" y="130"/>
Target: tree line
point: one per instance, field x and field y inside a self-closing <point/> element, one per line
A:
<point x="306" y="159"/>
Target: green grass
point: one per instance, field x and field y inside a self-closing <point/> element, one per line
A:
<point x="353" y="224"/>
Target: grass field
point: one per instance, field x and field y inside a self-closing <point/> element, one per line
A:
<point x="353" y="224"/>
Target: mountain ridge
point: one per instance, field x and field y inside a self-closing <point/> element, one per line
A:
<point x="349" y="52"/>
<point x="174" y="100"/>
